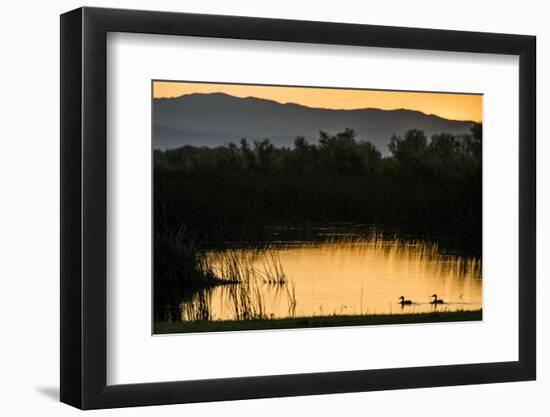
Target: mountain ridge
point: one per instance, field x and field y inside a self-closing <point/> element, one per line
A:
<point x="214" y="119"/>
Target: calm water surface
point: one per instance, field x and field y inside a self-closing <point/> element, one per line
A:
<point x="349" y="277"/>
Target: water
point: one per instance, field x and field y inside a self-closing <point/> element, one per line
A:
<point x="346" y="277"/>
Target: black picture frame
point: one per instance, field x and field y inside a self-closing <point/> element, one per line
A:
<point x="84" y="207"/>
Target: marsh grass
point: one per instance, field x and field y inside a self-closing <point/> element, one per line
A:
<point x="248" y="275"/>
<point x="179" y="268"/>
<point x="243" y="265"/>
<point x="198" y="308"/>
<point x="393" y="245"/>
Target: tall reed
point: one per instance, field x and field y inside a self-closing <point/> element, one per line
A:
<point x="249" y="274"/>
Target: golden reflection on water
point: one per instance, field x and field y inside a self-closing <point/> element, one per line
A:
<point x="350" y="277"/>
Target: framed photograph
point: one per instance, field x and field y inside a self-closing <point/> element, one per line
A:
<point x="257" y="208"/>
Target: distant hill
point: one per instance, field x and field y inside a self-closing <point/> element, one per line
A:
<point x="216" y="119"/>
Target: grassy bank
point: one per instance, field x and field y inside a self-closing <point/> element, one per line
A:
<point x="309" y="322"/>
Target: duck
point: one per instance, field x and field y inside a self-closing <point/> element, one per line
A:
<point x="436" y="300"/>
<point x="403" y="301"/>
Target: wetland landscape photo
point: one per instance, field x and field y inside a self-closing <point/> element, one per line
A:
<point x="282" y="207"/>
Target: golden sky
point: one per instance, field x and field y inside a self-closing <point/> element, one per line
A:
<point x="449" y="106"/>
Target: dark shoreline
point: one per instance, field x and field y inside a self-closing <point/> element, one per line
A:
<point x="316" y="322"/>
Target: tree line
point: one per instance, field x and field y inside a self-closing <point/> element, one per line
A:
<point x="425" y="186"/>
<point x="340" y="154"/>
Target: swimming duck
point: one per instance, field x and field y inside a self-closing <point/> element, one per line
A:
<point x="436" y="300"/>
<point x="403" y="301"/>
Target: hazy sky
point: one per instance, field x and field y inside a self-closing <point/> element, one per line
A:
<point x="449" y="106"/>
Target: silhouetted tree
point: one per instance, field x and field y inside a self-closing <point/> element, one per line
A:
<point x="410" y="149"/>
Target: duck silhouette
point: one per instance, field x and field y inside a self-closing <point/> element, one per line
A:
<point x="436" y="300"/>
<point x="403" y="301"/>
